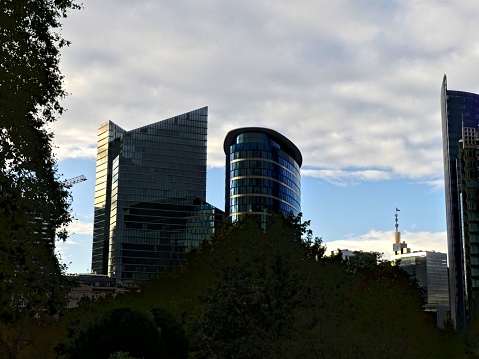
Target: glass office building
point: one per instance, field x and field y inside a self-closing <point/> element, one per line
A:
<point x="469" y="202"/>
<point x="150" y="196"/>
<point x="430" y="270"/>
<point x="262" y="173"/>
<point x="458" y="108"/>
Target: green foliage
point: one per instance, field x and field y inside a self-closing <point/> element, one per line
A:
<point x="173" y="340"/>
<point x="120" y="329"/>
<point x="248" y="307"/>
<point x="361" y="261"/>
<point x="268" y="293"/>
<point x="120" y="355"/>
<point x="33" y="202"/>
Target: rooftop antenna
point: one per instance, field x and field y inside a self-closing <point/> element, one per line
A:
<point x="397" y="234"/>
<point x="398" y="247"/>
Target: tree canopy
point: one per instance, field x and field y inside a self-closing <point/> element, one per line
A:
<point x="34" y="204"/>
<point x="252" y="292"/>
<point x="270" y="293"/>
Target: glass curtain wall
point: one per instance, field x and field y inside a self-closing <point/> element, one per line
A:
<point x="262" y="173"/>
<point x="458" y="109"/>
<point x="151" y="197"/>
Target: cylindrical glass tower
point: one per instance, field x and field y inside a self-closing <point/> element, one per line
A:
<point x="262" y="173"/>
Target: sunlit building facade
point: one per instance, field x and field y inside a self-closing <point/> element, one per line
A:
<point x="150" y="196"/>
<point x="262" y="173"/>
<point x="458" y="109"/>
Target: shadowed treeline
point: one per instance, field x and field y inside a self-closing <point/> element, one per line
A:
<point x="250" y="293"/>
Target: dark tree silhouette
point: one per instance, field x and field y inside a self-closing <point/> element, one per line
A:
<point x="119" y="330"/>
<point x="34" y="204"/>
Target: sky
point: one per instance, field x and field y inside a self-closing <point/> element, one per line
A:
<point x="355" y="84"/>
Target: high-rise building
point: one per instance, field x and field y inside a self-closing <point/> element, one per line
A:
<point x="262" y="173"/>
<point x="150" y="196"/>
<point x="469" y="202"/>
<point x="458" y="109"/>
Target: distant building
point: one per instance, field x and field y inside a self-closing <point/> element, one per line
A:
<point x="458" y="109"/>
<point x="93" y="287"/>
<point x="150" y="196"/>
<point x="89" y="287"/>
<point x="262" y="173"/>
<point x="345" y="253"/>
<point x="430" y="270"/>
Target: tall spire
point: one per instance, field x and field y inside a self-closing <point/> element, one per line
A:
<point x="398" y="247"/>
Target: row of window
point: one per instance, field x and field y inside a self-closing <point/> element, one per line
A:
<point x="181" y="170"/>
<point x="259" y="150"/>
<point x="471" y="195"/>
<point x="167" y="130"/>
<point x="163" y="186"/>
<point x="255" y="137"/>
<point x="261" y="164"/>
<point x="165" y="183"/>
<point x="474" y="248"/>
<point x="256" y="181"/>
<point x="262" y="202"/>
<point x="289" y="163"/>
<point x="164" y="156"/>
<point x="128" y="198"/>
<point x="282" y="192"/>
<point x="173" y="125"/>
<point x="279" y="175"/>
<point x="161" y="142"/>
<point x="160" y="174"/>
<point x="474" y="271"/>
<point x="474" y="260"/>
<point x="471" y="184"/>
<point x="262" y="208"/>
<point x="472" y="227"/>
<point x="172" y="155"/>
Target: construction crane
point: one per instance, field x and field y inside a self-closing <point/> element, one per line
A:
<point x="70" y="182"/>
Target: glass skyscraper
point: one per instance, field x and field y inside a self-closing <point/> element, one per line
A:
<point x="150" y="194"/>
<point x="262" y="173"/>
<point x="469" y="201"/>
<point x="458" y="109"/>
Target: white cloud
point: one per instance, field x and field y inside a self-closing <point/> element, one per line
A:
<point x="382" y="241"/>
<point x="80" y="227"/>
<point x="344" y="178"/>
<point x="354" y="84"/>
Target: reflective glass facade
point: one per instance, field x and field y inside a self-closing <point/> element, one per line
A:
<point x="457" y="108"/>
<point x="262" y="173"/>
<point x="430" y="270"/>
<point x="150" y="196"/>
<point x="469" y="201"/>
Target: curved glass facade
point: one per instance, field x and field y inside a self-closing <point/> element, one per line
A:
<point x="262" y="173"/>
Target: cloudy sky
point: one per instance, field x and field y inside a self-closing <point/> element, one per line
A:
<point x="355" y="84"/>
